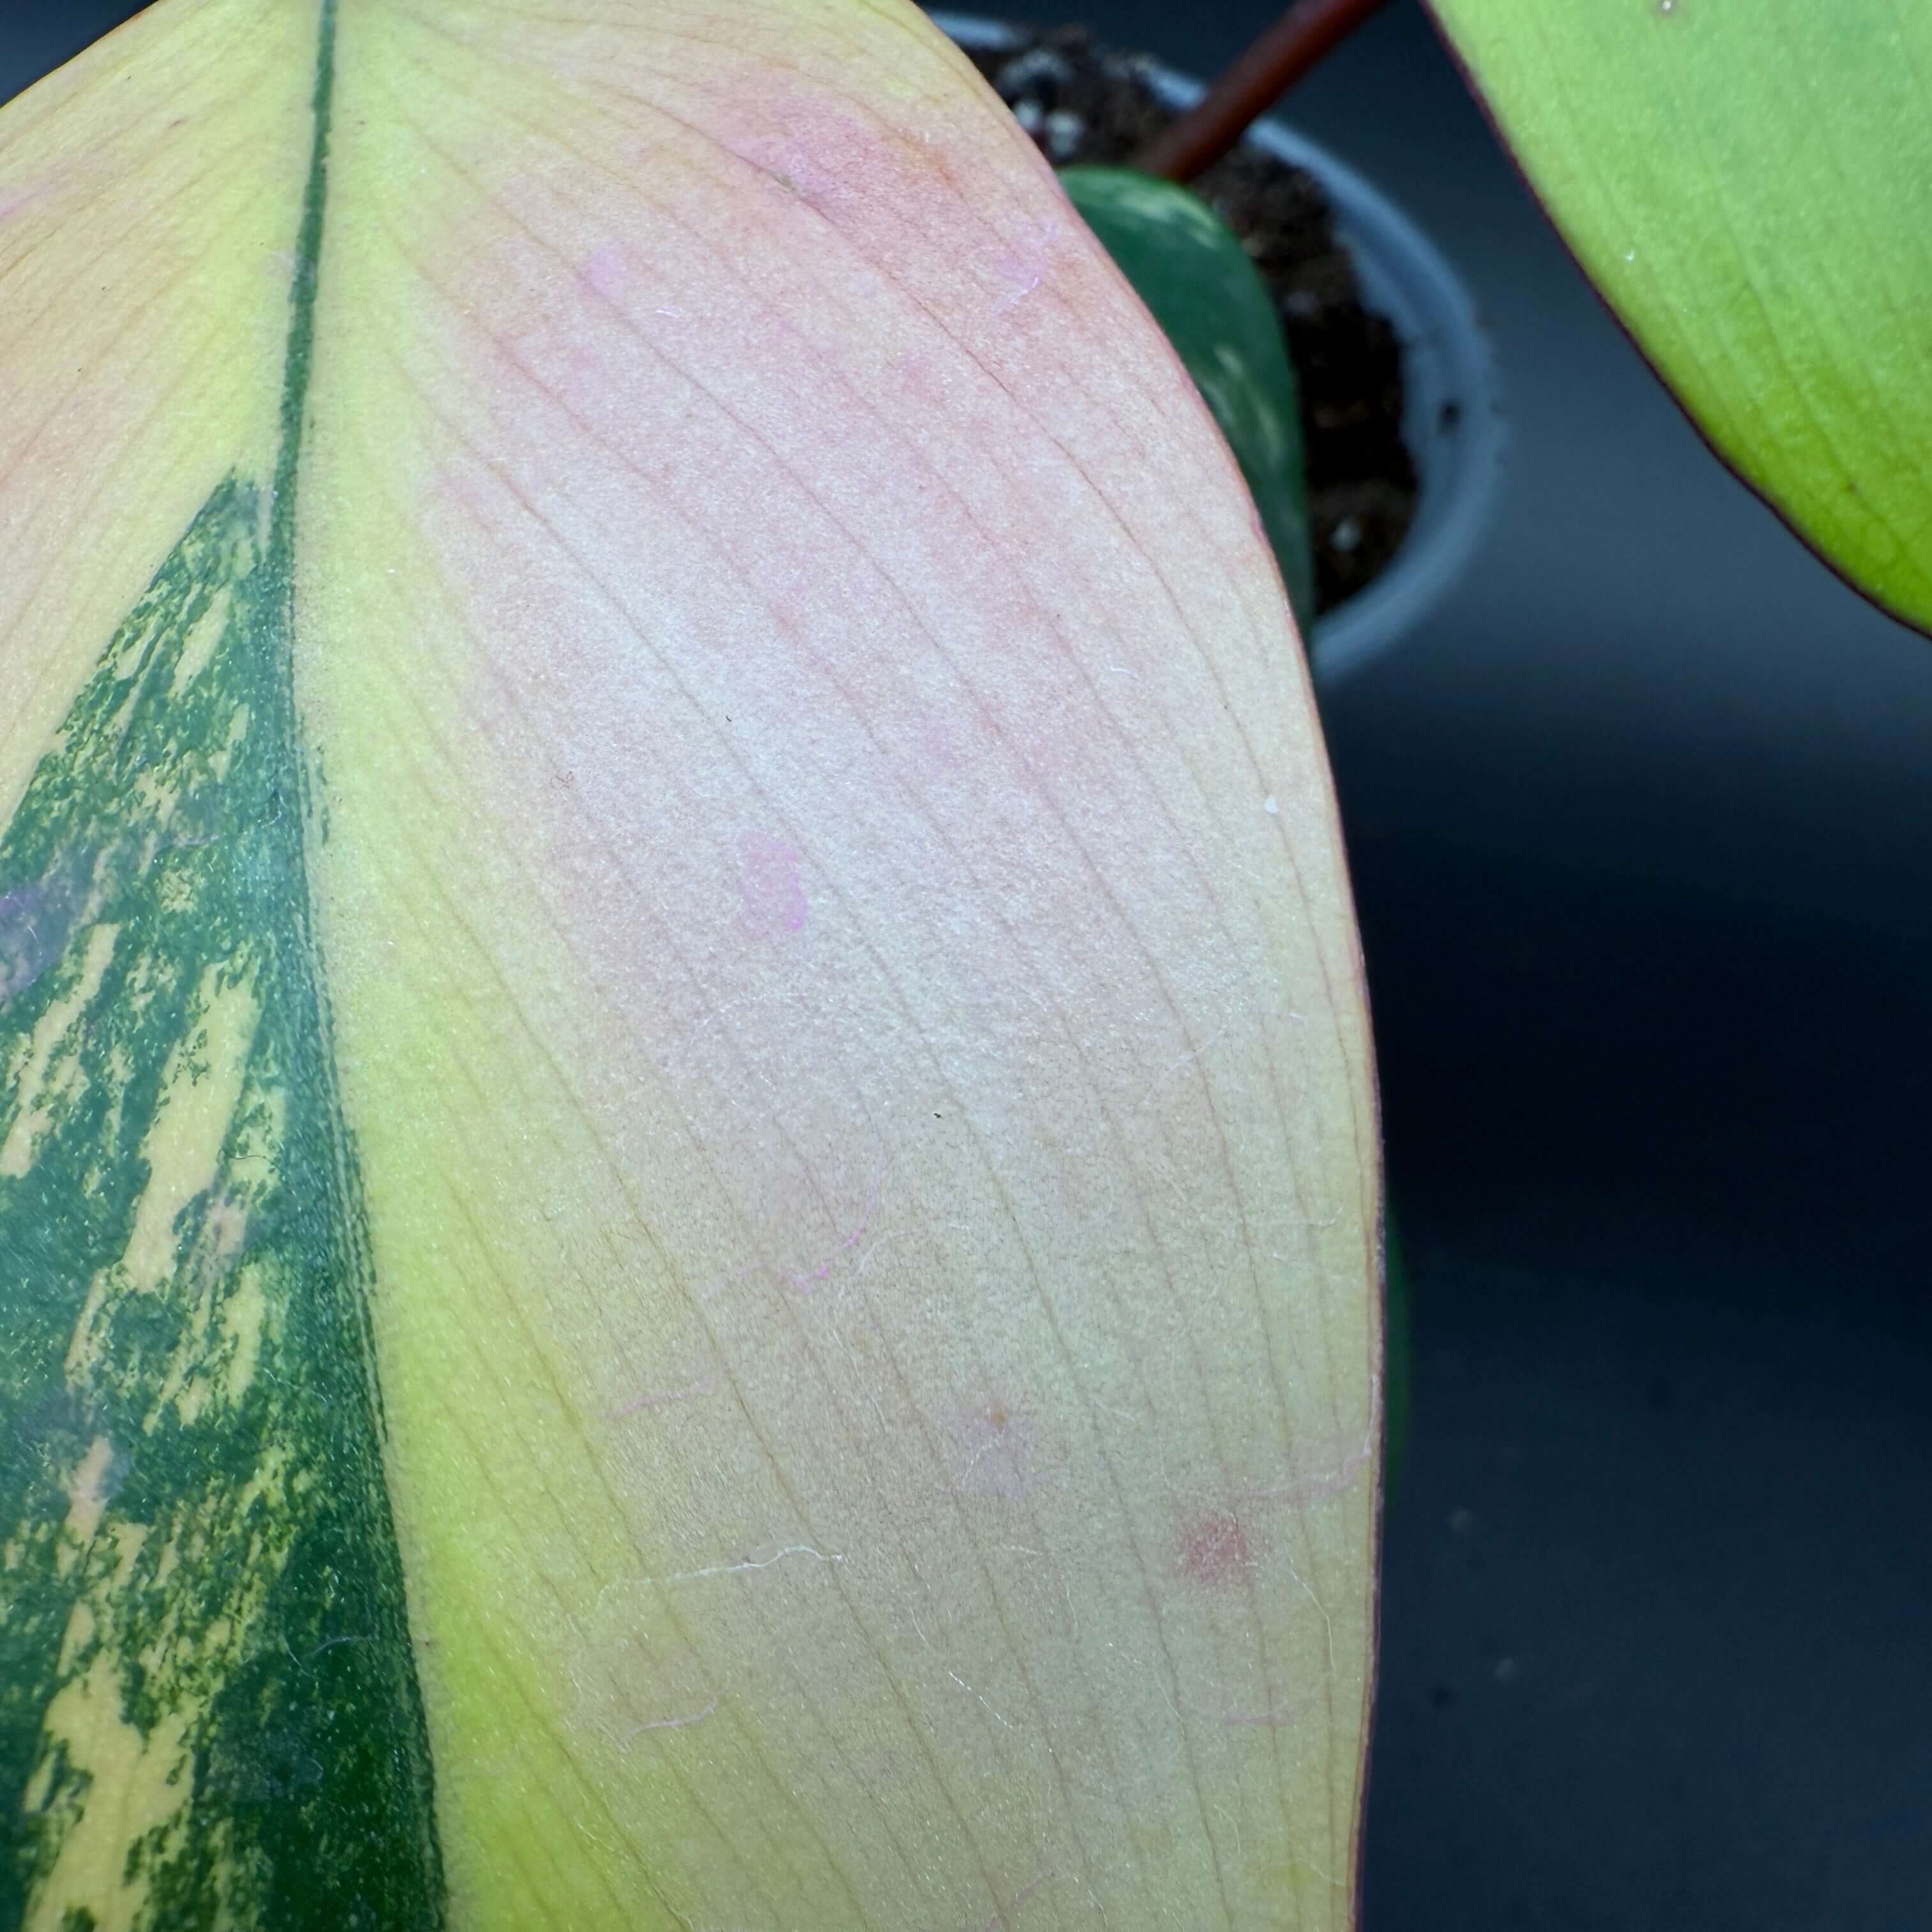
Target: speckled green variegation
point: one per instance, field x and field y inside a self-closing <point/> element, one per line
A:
<point x="205" y="1676"/>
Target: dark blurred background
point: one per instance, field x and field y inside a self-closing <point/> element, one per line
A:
<point x="1641" y="821"/>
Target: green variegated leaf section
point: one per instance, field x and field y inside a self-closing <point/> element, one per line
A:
<point x="208" y="1711"/>
<point x="205" y="1673"/>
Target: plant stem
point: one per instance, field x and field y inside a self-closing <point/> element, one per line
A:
<point x="1257" y="78"/>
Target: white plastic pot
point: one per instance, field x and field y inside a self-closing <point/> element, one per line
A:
<point x="1451" y="415"/>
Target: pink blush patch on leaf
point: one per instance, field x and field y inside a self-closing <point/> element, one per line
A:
<point x="603" y="272"/>
<point x="12" y="205"/>
<point x="1214" y="1549"/>
<point x="775" y="901"/>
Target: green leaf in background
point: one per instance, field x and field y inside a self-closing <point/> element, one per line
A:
<point x="1750" y="188"/>
<point x="1196" y="279"/>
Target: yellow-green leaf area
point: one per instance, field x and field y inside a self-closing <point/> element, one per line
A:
<point x="1751" y="188"/>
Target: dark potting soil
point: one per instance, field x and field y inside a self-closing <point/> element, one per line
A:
<point x="1089" y="104"/>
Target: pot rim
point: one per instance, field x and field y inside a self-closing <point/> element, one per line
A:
<point x="1452" y="417"/>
